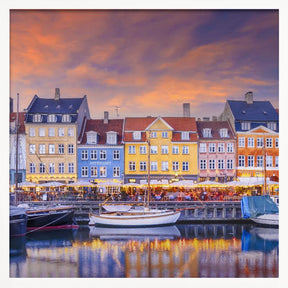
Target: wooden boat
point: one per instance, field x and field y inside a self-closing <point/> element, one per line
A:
<point x="18" y="221"/>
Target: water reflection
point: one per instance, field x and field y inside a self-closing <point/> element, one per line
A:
<point x="221" y="250"/>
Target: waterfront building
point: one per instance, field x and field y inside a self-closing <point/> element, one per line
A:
<point x="173" y="148"/>
<point x="52" y="127"/>
<point x="216" y="151"/>
<point x="101" y="151"/>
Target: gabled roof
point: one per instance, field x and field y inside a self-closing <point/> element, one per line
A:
<point x="215" y="127"/>
<point x="21" y="119"/>
<point x="257" y="111"/>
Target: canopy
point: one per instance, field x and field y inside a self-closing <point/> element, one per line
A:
<point x="130" y="185"/>
<point x="155" y="182"/>
<point x="27" y="184"/>
<point x="209" y="183"/>
<point x="109" y="183"/>
<point x="188" y="183"/>
<point x="52" y="184"/>
<point x="81" y="184"/>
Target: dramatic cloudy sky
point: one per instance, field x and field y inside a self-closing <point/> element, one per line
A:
<point x="147" y="62"/>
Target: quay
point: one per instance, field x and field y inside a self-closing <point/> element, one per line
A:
<point x="191" y="211"/>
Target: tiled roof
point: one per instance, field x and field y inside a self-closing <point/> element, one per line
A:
<point x="215" y="126"/>
<point x="21" y="118"/>
<point x="97" y="125"/>
<point x="258" y="111"/>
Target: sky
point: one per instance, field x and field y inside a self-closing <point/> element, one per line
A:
<point x="147" y="62"/>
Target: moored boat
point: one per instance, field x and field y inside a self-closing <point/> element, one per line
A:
<point x="18" y="221"/>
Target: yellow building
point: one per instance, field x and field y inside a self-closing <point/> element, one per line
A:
<point x="52" y="128"/>
<point x="173" y="148"/>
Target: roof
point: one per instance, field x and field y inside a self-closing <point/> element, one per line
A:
<point x="21" y="119"/>
<point x="97" y="125"/>
<point x="215" y="126"/>
<point x="257" y="111"/>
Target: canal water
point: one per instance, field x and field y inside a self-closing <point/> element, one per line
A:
<point x="182" y="251"/>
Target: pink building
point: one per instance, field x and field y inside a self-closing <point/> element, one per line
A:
<point x="216" y="151"/>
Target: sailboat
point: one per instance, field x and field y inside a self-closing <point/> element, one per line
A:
<point x="136" y="216"/>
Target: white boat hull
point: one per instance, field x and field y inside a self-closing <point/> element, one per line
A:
<point x="267" y="219"/>
<point x="136" y="218"/>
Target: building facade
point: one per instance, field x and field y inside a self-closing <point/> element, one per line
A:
<point x="216" y="151"/>
<point x="173" y="148"/>
<point x="52" y="130"/>
<point x="101" y="151"/>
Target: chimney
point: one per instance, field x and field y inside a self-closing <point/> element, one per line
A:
<point x="57" y="93"/>
<point x="214" y="118"/>
<point x="249" y="97"/>
<point x="186" y="109"/>
<point x="106" y="117"/>
<point x="206" y="118"/>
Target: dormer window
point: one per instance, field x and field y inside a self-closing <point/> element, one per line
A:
<point x="223" y="133"/>
<point x="272" y="126"/>
<point x="245" y="126"/>
<point x="66" y="118"/>
<point x="37" y="118"/>
<point x="51" y="118"/>
<point x="91" y="137"/>
<point x="111" y="138"/>
<point x="185" y="135"/>
<point x="207" y="133"/>
<point x="136" y="135"/>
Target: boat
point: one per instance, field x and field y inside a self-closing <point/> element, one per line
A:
<point x="134" y="216"/>
<point x="18" y="221"/>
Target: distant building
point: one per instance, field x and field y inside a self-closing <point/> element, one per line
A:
<point x="52" y="129"/>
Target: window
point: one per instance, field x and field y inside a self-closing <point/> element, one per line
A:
<point x="32" y="148"/>
<point x="70" y="149"/>
<point x="132" y="166"/>
<point x="51" y="168"/>
<point x="32" y="132"/>
<point x="230" y="147"/>
<point x="203" y="148"/>
<point x="103" y="155"/>
<point x="143" y="166"/>
<point x="245" y="125"/>
<point x="93" y="171"/>
<point x="250" y="142"/>
<point x="111" y="138"/>
<point x="66" y="118"/>
<point x="203" y="164"/>
<point x="42" y="168"/>
<point x="131" y="149"/>
<point x="143" y="149"/>
<point x="153" y="135"/>
<point x="70" y="132"/>
<point x="250" y="161"/>
<point x="185" y="166"/>
<point x="220" y="164"/>
<point x="61" y="132"/>
<point x="269" y="161"/>
<point x="175" y="149"/>
<point x="164" y="149"/>
<point x="116" y="155"/>
<point x="185" y="150"/>
<point x="175" y="166"/>
<point x="241" y="142"/>
<point x="276" y="142"/>
<point x="51" y="118"/>
<point x="51" y="132"/>
<point x="70" y="167"/>
<point x="84" y="171"/>
<point x="84" y="155"/>
<point x="61" y="167"/>
<point x="91" y="137"/>
<point x="136" y="135"/>
<point x="207" y="133"/>
<point x="272" y="125"/>
<point x="229" y="164"/>
<point x="116" y="171"/>
<point x="41" y="148"/>
<point x="223" y="133"/>
<point x="41" y="132"/>
<point x="51" y="149"/>
<point x="37" y="118"/>
<point x="32" y="168"/>
<point x="61" y="149"/>
<point x="276" y="161"/>
<point x="103" y="171"/>
<point x="221" y="147"/>
<point x="93" y="154"/>
<point x="164" y="134"/>
<point x="185" y="135"/>
<point x="154" y="166"/>
<point x="164" y="166"/>
<point x="269" y="142"/>
<point x="260" y="142"/>
<point x="259" y="161"/>
<point x="154" y="149"/>
<point x="212" y="147"/>
<point x="241" y="161"/>
<point x="212" y="164"/>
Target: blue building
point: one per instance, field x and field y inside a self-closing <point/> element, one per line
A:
<point x="100" y="151"/>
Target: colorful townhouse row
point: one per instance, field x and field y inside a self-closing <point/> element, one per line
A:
<point x="60" y="142"/>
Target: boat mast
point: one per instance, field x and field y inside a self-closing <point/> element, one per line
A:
<point x="17" y="152"/>
<point x="265" y="183"/>
<point x="148" y="176"/>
